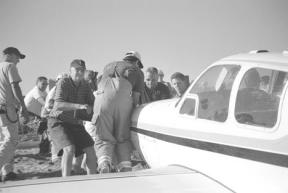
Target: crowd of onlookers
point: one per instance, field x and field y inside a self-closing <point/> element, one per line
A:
<point x="85" y="117"/>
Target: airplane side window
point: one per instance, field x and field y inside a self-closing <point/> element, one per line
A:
<point x="213" y="89"/>
<point x="188" y="107"/>
<point x="258" y="97"/>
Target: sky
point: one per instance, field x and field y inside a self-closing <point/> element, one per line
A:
<point x="174" y="35"/>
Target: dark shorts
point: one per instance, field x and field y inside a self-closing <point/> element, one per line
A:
<point x="64" y="134"/>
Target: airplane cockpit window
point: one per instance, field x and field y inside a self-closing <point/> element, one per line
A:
<point x="188" y="107"/>
<point x="258" y="97"/>
<point x="213" y="89"/>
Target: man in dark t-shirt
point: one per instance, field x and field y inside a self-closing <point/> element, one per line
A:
<point x="66" y="131"/>
<point x="155" y="90"/>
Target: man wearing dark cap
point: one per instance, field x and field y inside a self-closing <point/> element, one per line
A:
<point x="118" y="92"/>
<point x="11" y="98"/>
<point x="73" y="96"/>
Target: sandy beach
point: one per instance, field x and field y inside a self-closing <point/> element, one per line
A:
<point x="29" y="164"/>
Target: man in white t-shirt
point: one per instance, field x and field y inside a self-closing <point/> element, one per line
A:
<point x="35" y="99"/>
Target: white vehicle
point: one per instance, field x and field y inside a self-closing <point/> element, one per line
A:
<point x="231" y="124"/>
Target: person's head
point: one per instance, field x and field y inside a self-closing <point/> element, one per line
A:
<point x="178" y="82"/>
<point x="51" y="103"/>
<point x="60" y="76"/>
<point x="161" y="75"/>
<point x="77" y="70"/>
<point x="151" y="77"/>
<point x="252" y="79"/>
<point x="12" y="55"/>
<point x="265" y="80"/>
<point x="42" y="83"/>
<point x="264" y="84"/>
<point x="133" y="57"/>
<point x="91" y="77"/>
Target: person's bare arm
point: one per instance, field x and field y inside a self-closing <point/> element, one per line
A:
<point x="66" y="106"/>
<point x="19" y="97"/>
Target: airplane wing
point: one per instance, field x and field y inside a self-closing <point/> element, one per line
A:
<point x="169" y="179"/>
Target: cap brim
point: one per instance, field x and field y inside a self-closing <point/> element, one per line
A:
<point x="133" y="58"/>
<point x="74" y="65"/>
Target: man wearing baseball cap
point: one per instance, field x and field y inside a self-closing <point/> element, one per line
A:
<point x="65" y="129"/>
<point x="11" y="98"/>
<point x="133" y="57"/>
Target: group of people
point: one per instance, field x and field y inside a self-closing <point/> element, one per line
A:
<point x="85" y="115"/>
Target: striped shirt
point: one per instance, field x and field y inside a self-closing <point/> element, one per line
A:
<point x="67" y="91"/>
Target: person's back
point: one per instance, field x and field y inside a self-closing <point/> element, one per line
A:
<point x="6" y="94"/>
<point x="112" y="110"/>
<point x="125" y="70"/>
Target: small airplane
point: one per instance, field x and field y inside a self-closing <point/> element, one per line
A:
<point x="227" y="133"/>
<point x="231" y="124"/>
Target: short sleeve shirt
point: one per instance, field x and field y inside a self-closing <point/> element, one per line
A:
<point x="160" y="92"/>
<point x="67" y="91"/>
<point x="8" y="75"/>
<point x="31" y="100"/>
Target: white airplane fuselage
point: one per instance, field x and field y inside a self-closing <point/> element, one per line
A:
<point x="243" y="157"/>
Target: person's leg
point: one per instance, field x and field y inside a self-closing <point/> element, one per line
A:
<point x="91" y="129"/>
<point x="62" y="138"/>
<point x="103" y="122"/>
<point x="84" y="144"/>
<point x="123" y="152"/>
<point x="83" y="164"/>
<point x="67" y="158"/>
<point x="54" y="153"/>
<point x="104" y="151"/>
<point x="8" y="143"/>
<point x="123" y="112"/>
<point x="91" y="160"/>
<point x="104" y="141"/>
<point x="76" y="166"/>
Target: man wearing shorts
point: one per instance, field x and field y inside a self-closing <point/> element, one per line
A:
<point x="73" y="95"/>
